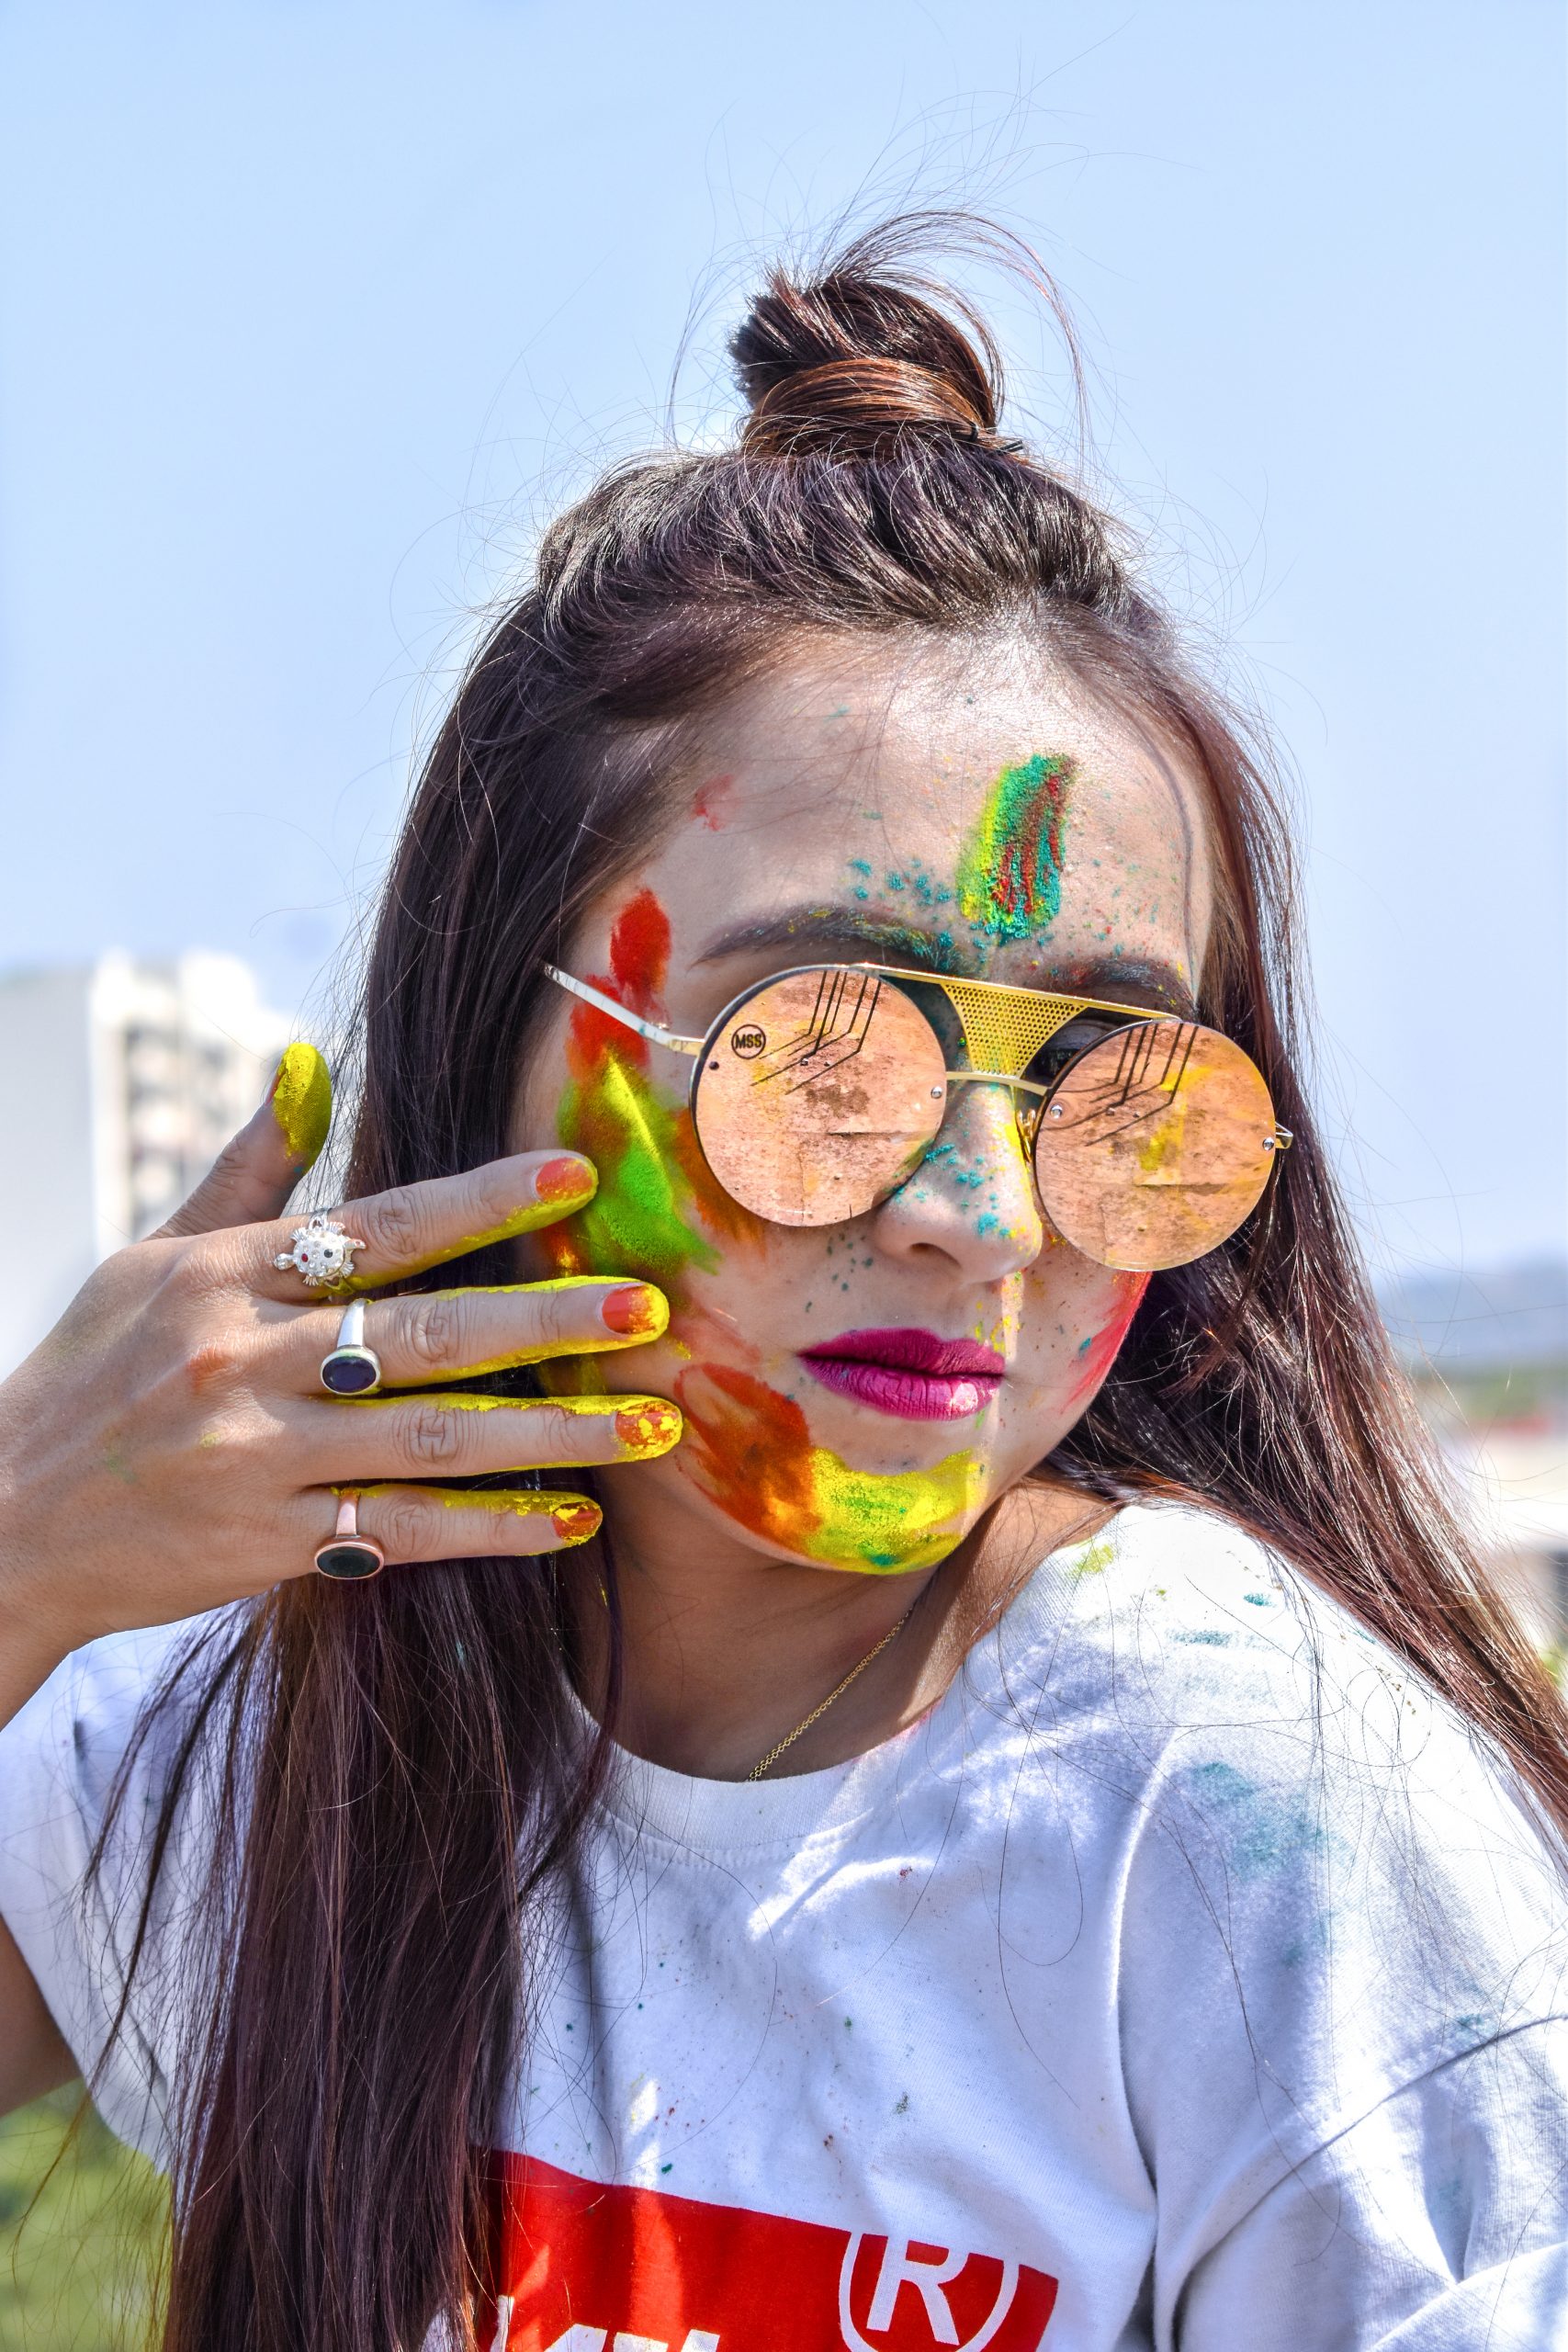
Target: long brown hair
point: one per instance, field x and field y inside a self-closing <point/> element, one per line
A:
<point x="402" y="1785"/>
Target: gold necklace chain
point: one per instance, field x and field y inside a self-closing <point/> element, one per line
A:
<point x="838" y="1692"/>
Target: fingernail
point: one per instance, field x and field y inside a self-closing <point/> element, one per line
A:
<point x="575" y="1522"/>
<point x="636" y="1310"/>
<point x="564" y="1180"/>
<point x="301" y="1099"/>
<point x="651" y="1426"/>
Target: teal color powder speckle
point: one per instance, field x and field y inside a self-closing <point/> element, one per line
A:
<point x="1260" y="1829"/>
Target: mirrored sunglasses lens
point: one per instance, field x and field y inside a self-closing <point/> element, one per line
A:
<point x="1154" y="1145"/>
<point x="819" y="1096"/>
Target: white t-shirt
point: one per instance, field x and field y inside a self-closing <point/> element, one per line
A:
<point x="1187" y="1976"/>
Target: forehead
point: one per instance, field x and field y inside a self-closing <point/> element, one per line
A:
<point x="986" y="804"/>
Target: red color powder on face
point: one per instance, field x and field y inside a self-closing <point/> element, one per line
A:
<point x="1105" y="1346"/>
<point x="711" y="807"/>
<point x="658" y="1201"/>
<point x="750" y="1451"/>
<point x="639" y="962"/>
<point x="639" y="953"/>
<point x="639" y="965"/>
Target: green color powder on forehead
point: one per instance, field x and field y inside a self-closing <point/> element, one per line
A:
<point x="1009" y="875"/>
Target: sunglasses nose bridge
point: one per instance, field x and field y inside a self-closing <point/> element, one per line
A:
<point x="1028" y="1098"/>
<point x="1026" y="1109"/>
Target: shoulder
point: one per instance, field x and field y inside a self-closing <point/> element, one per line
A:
<point x="69" y="1747"/>
<point x="84" y="1770"/>
<point x="1203" y="1653"/>
<point x="1326" y="1878"/>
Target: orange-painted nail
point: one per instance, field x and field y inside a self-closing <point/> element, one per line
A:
<point x="564" y="1180"/>
<point x="575" y="1522"/>
<point x="636" y="1310"/>
<point x="650" y="1427"/>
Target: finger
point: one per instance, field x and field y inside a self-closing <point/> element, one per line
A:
<point x="458" y="1436"/>
<point x="441" y="1523"/>
<point x="417" y="1226"/>
<point x="257" y="1169"/>
<point x="459" y="1334"/>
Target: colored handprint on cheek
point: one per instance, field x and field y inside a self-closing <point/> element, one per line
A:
<point x="658" y="1212"/>
<point x="749" y="1450"/>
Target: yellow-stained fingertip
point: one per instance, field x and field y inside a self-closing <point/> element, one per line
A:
<point x="573" y="1516"/>
<point x="302" y="1102"/>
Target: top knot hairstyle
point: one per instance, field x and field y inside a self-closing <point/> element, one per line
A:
<point x="869" y="488"/>
<point x="413" y="1789"/>
<point x="849" y="365"/>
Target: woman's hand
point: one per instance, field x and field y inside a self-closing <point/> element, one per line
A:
<point x="170" y="1446"/>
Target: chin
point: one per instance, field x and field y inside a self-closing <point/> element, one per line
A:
<point x="856" y="1490"/>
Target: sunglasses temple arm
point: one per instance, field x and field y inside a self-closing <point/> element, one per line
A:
<point x="606" y="1004"/>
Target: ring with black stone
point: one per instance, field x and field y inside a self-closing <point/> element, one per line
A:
<point x="352" y="1369"/>
<point x="346" y="1554"/>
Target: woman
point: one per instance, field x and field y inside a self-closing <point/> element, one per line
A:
<point x="981" y="1801"/>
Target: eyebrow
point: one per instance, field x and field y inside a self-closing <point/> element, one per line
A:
<point x="1127" y="979"/>
<point x="908" y="943"/>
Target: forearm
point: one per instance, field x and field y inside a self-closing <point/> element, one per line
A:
<point x="33" y="1634"/>
<point x="29" y="1656"/>
<point x="33" y="2053"/>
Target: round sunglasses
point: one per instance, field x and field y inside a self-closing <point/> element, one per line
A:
<point x="817" y="1094"/>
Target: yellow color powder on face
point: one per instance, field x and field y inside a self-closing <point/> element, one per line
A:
<point x="302" y="1102"/>
<point x="750" y="1450"/>
<point x="890" y="1524"/>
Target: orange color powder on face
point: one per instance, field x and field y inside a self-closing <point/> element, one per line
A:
<point x="1101" y="1351"/>
<point x="750" y="1451"/>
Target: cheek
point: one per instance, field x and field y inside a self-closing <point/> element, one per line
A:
<point x="1100" y="1347"/>
<point x="658" y="1212"/>
<point x="1075" y="1317"/>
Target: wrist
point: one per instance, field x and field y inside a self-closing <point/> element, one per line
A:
<point x="33" y="1640"/>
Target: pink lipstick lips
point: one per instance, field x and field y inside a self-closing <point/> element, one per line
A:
<point x="913" y="1374"/>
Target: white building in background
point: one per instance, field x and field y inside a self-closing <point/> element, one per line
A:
<point x="122" y="1080"/>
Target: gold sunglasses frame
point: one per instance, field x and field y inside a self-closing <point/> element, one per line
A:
<point x="1004" y="1023"/>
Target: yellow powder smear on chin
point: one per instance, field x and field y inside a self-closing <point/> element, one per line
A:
<point x="302" y="1102"/>
<point x="749" y="1448"/>
<point x="889" y="1524"/>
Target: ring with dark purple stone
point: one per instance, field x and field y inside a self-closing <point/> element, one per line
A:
<point x="352" y="1369"/>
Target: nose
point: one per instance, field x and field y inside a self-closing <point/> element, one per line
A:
<point x="972" y="1198"/>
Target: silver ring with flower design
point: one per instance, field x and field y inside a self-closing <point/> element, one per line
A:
<point x="320" y="1251"/>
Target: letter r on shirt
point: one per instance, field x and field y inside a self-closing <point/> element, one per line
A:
<point x="928" y="2277"/>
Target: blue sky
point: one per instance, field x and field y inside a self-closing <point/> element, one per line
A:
<point x="312" y="314"/>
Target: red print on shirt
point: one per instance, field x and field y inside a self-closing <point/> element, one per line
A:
<point x="589" y="2268"/>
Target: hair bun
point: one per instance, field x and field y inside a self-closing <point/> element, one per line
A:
<point x="846" y="364"/>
